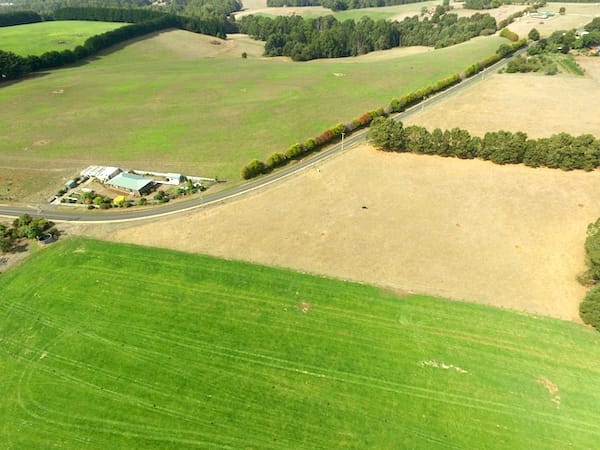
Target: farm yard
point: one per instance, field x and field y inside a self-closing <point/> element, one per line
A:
<point x="227" y="354"/>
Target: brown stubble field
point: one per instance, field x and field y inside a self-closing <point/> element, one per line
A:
<point x="537" y="104"/>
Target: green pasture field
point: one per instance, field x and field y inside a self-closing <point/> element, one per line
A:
<point x="38" y="38"/>
<point x="150" y="105"/>
<point x="117" y="346"/>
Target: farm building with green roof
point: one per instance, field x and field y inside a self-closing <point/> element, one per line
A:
<point x="131" y="184"/>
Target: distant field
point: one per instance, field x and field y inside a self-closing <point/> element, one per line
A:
<point x="355" y="14"/>
<point x="113" y="346"/>
<point x="158" y="104"/>
<point x="386" y="12"/>
<point x="38" y="38"/>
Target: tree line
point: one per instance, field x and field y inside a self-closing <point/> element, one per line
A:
<point x="340" y="5"/>
<point x="326" y="37"/>
<point x="19" y="18"/>
<point x="199" y="8"/>
<point x="589" y="308"/>
<point x="560" y="151"/>
<point x="13" y="66"/>
<point x="298" y="150"/>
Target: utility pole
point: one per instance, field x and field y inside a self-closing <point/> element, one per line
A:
<point x="343" y="141"/>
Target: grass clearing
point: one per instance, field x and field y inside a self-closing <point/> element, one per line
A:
<point x="114" y="346"/>
<point x="148" y="105"/>
<point x="38" y="38"/>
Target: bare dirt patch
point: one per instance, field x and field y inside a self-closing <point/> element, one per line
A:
<point x="519" y="244"/>
<point x="551" y="388"/>
<point x="304" y="307"/>
<point x="538" y="104"/>
<point x="441" y="365"/>
<point x="13" y="259"/>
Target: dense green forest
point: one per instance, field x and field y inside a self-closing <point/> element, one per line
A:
<point x="325" y="37"/>
<point x="340" y="5"/>
<point x="19" y="18"/>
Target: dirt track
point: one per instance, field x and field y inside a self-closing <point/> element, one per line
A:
<point x="507" y="236"/>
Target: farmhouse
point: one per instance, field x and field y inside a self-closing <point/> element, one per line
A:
<point x="130" y="183"/>
<point x="102" y="173"/>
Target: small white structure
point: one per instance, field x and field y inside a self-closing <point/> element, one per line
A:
<point x="101" y="173"/>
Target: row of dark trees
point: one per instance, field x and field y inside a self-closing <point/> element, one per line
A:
<point x="19" y="18"/>
<point x="589" y="308"/>
<point x="296" y="151"/>
<point x="340" y="5"/>
<point x="13" y="66"/>
<point x="326" y="37"/>
<point x="560" y="151"/>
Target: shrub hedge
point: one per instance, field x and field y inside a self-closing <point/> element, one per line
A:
<point x="396" y="105"/>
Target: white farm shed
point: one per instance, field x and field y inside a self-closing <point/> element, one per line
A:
<point x="102" y="173"/>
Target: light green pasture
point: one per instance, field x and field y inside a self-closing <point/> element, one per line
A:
<point x="117" y="346"/>
<point x="38" y="38"/>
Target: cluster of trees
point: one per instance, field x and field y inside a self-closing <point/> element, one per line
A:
<point x="13" y="66"/>
<point x="560" y="151"/>
<point x="19" y="18"/>
<point x="326" y="37"/>
<point x="563" y="41"/>
<point x="484" y="4"/>
<point x="589" y="308"/>
<point x="296" y="151"/>
<point x="23" y="227"/>
<point x="510" y="35"/>
<point x="510" y="19"/>
<point x="201" y="8"/>
<point x="526" y="64"/>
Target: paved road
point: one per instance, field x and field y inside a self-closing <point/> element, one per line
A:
<point x="62" y="214"/>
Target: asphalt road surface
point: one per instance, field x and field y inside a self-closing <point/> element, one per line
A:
<point x="63" y="214"/>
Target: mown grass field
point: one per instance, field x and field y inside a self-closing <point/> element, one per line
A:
<point x="153" y="106"/>
<point x="115" y="346"/>
<point x="38" y="38"/>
